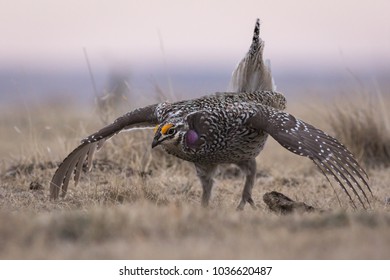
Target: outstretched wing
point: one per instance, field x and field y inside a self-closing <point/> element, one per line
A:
<point x="303" y="139"/>
<point x="73" y="163"/>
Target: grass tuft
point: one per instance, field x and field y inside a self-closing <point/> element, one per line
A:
<point x="362" y="124"/>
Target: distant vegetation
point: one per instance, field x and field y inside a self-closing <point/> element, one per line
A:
<point x="361" y="122"/>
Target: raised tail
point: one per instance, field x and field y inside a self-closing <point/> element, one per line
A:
<point x="252" y="73"/>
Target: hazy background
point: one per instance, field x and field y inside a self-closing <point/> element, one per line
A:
<point x="188" y="47"/>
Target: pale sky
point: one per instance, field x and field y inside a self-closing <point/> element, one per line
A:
<point x="53" y="33"/>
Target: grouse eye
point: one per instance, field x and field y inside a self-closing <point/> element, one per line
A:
<point x="171" y="131"/>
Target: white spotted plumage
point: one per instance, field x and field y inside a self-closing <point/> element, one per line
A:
<point x="228" y="127"/>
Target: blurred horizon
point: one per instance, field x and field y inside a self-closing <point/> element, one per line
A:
<point x="188" y="47"/>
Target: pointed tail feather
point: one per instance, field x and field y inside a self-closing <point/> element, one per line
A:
<point x="252" y="74"/>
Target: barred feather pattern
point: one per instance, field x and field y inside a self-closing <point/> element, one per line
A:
<point x="252" y="74"/>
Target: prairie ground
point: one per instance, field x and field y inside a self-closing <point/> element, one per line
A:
<point x="139" y="203"/>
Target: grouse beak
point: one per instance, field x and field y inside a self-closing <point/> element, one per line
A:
<point x="156" y="139"/>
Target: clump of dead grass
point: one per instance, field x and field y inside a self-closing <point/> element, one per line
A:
<point x="362" y="124"/>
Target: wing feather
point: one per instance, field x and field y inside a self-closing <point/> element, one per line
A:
<point x="74" y="162"/>
<point x="329" y="155"/>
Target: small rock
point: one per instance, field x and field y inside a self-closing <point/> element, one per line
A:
<point x="278" y="202"/>
<point x="35" y="186"/>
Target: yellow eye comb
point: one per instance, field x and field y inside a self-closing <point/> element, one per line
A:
<point x="165" y="128"/>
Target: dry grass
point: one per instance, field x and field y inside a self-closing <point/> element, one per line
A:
<point x="143" y="230"/>
<point x="140" y="203"/>
<point x="363" y="126"/>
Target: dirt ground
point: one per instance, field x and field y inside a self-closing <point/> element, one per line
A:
<point x="139" y="203"/>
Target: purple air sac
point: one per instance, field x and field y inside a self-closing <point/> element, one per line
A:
<point x="191" y="138"/>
